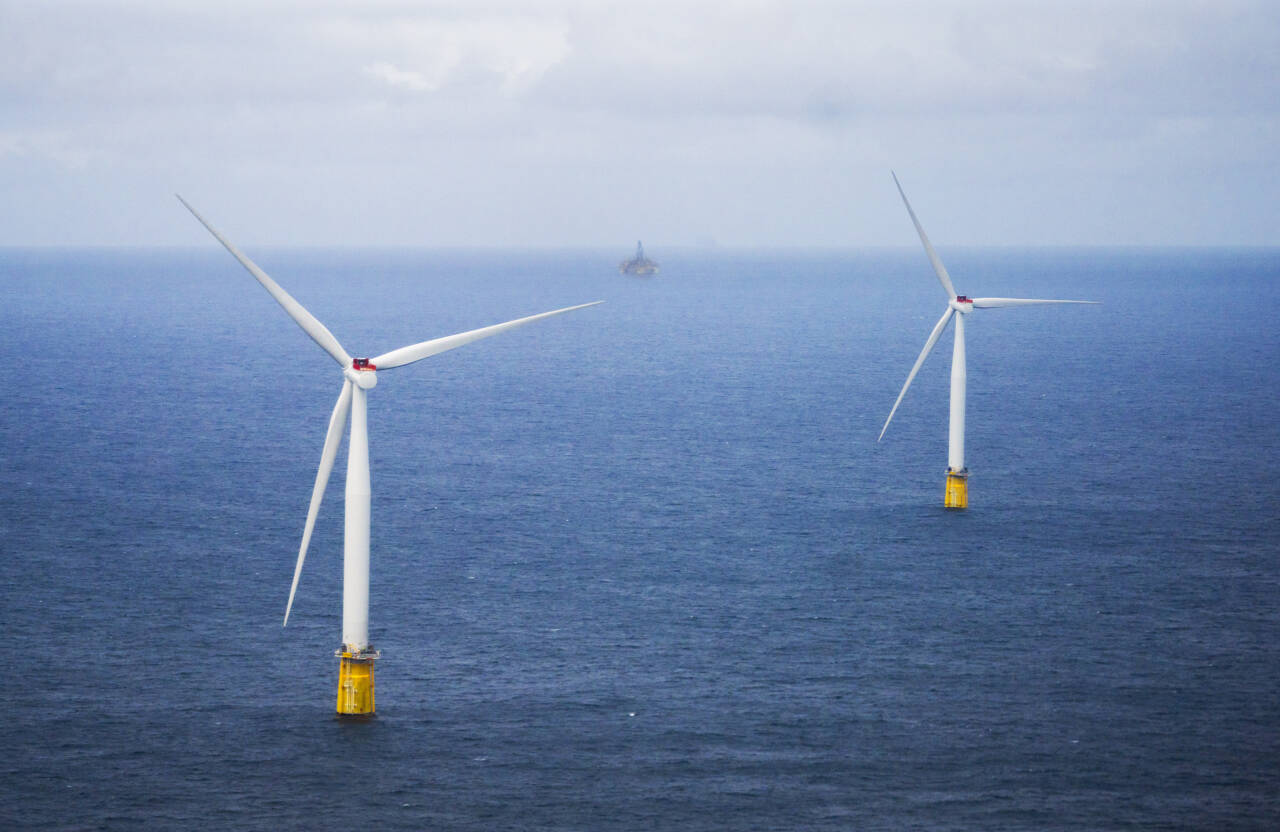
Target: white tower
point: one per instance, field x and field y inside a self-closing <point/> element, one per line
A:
<point x="355" y="672"/>
<point x="956" y="494"/>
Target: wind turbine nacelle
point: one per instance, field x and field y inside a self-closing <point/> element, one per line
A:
<point x="962" y="304"/>
<point x="362" y="374"/>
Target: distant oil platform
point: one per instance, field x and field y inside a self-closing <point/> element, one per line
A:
<point x="638" y="264"/>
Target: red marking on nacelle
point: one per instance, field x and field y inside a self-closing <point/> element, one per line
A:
<point x="362" y="364"/>
<point x="963" y="299"/>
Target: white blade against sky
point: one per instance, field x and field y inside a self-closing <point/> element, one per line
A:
<point x="938" y="268"/>
<point x="300" y="315"/>
<point x="417" y="352"/>
<point x="924" y="353"/>
<point x="331" y="440"/>
<point x="996" y="303"/>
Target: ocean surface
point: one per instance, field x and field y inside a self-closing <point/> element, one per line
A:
<point x="645" y="566"/>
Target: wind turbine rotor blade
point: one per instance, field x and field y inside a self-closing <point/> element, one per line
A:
<point x="938" y="268"/>
<point x="924" y="353"/>
<point x="417" y="352"/>
<point x="331" y="441"/>
<point x="310" y="325"/>
<point x="997" y="303"/>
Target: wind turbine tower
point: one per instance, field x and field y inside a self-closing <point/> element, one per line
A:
<point x="956" y="494"/>
<point x="355" y="670"/>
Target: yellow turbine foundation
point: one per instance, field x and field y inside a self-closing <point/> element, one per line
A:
<point x="355" y="682"/>
<point x="957" y="494"/>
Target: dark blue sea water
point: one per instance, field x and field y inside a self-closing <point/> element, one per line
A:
<point x="645" y="566"/>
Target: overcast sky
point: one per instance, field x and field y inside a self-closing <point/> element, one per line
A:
<point x="596" y="123"/>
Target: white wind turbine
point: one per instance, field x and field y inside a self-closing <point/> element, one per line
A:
<point x="957" y="490"/>
<point x="355" y="678"/>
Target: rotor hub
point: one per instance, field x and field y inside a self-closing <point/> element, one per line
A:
<point x="362" y="374"/>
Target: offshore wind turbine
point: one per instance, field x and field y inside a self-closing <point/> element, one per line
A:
<point x="958" y="306"/>
<point x="355" y="671"/>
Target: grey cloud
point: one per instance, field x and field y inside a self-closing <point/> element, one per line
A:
<point x="768" y="102"/>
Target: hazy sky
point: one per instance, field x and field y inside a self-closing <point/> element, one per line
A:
<point x="596" y="123"/>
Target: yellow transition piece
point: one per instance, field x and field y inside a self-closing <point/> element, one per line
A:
<point x="957" y="495"/>
<point x="355" y="685"/>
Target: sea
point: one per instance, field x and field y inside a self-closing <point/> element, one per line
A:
<point x="645" y="566"/>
